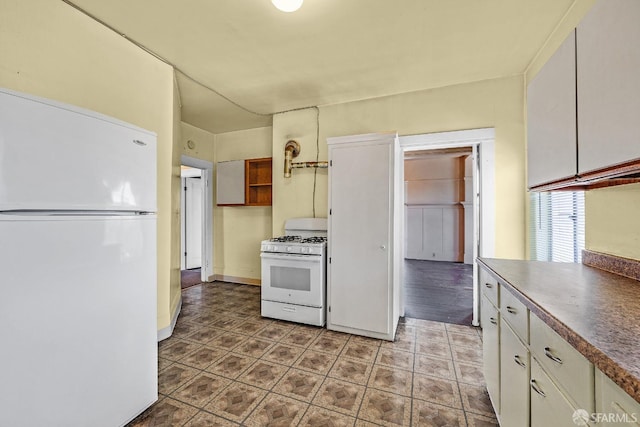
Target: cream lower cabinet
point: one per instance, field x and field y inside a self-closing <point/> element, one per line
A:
<point x="535" y="378"/>
<point x="549" y="406"/>
<point x="491" y="350"/>
<point x="514" y="379"/>
<point x="614" y="407"/>
<point x="567" y="368"/>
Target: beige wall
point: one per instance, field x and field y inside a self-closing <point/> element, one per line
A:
<point x="293" y="197"/>
<point x="51" y="50"/>
<point x="203" y="149"/>
<point x="204" y="142"/>
<point x="495" y="103"/>
<point x="239" y="230"/>
<point x="612" y="224"/>
<point x="574" y="15"/>
<point x="434" y="180"/>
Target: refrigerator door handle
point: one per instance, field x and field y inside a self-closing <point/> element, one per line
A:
<point x="43" y="213"/>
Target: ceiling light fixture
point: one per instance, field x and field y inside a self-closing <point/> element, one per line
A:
<point x="287" y="5"/>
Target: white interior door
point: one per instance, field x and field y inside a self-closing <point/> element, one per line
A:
<point x="360" y="237"/>
<point x="193" y="222"/>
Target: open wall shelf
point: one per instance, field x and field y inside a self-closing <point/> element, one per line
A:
<point x="258" y="182"/>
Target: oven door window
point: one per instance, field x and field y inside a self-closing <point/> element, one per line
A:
<point x="291" y="278"/>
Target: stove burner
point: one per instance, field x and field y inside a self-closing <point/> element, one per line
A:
<point x="314" y="240"/>
<point x="286" y="239"/>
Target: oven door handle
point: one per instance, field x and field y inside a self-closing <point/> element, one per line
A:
<point x="290" y="257"/>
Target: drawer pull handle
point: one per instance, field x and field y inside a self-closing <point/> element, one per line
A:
<point x="516" y="359"/>
<point x="536" y="388"/>
<point x="547" y="352"/>
<point x="493" y="321"/>
<point x="511" y="310"/>
<point x="488" y="285"/>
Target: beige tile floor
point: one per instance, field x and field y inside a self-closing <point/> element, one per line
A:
<point x="227" y="366"/>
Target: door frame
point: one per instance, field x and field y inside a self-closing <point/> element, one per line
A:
<point x="206" y="167"/>
<point x="482" y="142"/>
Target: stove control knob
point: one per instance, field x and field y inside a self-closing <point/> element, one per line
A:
<point x="304" y="250"/>
<point x="271" y="248"/>
<point x="289" y="248"/>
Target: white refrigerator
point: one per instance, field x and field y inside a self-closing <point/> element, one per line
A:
<point x="78" y="322"/>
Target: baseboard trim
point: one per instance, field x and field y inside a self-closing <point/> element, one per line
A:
<point x="235" y="279"/>
<point x="165" y="333"/>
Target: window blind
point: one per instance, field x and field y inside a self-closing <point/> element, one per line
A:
<point x="557" y="226"/>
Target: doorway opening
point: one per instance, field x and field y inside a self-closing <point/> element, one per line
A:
<point x="196" y="222"/>
<point x="191" y="224"/>
<point x="448" y="205"/>
<point x="438" y="187"/>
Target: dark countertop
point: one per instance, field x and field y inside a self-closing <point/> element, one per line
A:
<point x="597" y="312"/>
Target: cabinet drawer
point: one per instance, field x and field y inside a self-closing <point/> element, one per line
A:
<point x="489" y="287"/>
<point x="515" y="313"/>
<point x="615" y="404"/>
<point x="549" y="407"/>
<point x="571" y="370"/>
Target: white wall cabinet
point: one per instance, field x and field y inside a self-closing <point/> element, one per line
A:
<point x="435" y="232"/>
<point x="363" y="272"/>
<point x="551" y="118"/>
<point x="230" y="182"/>
<point x="608" y="84"/>
<point x="590" y="85"/>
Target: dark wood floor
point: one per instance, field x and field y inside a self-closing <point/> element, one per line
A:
<point x="440" y="291"/>
<point x="189" y="278"/>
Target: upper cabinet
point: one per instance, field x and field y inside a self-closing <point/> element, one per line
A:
<point x="583" y="106"/>
<point x="551" y="118"/>
<point x="608" y="57"/>
<point x="244" y="182"/>
<point x="230" y="186"/>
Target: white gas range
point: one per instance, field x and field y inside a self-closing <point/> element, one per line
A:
<point x="294" y="272"/>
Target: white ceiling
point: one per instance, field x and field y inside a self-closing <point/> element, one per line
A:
<point x="328" y="52"/>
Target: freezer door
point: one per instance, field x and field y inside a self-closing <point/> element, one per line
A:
<point x="57" y="157"/>
<point x="78" y="320"/>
